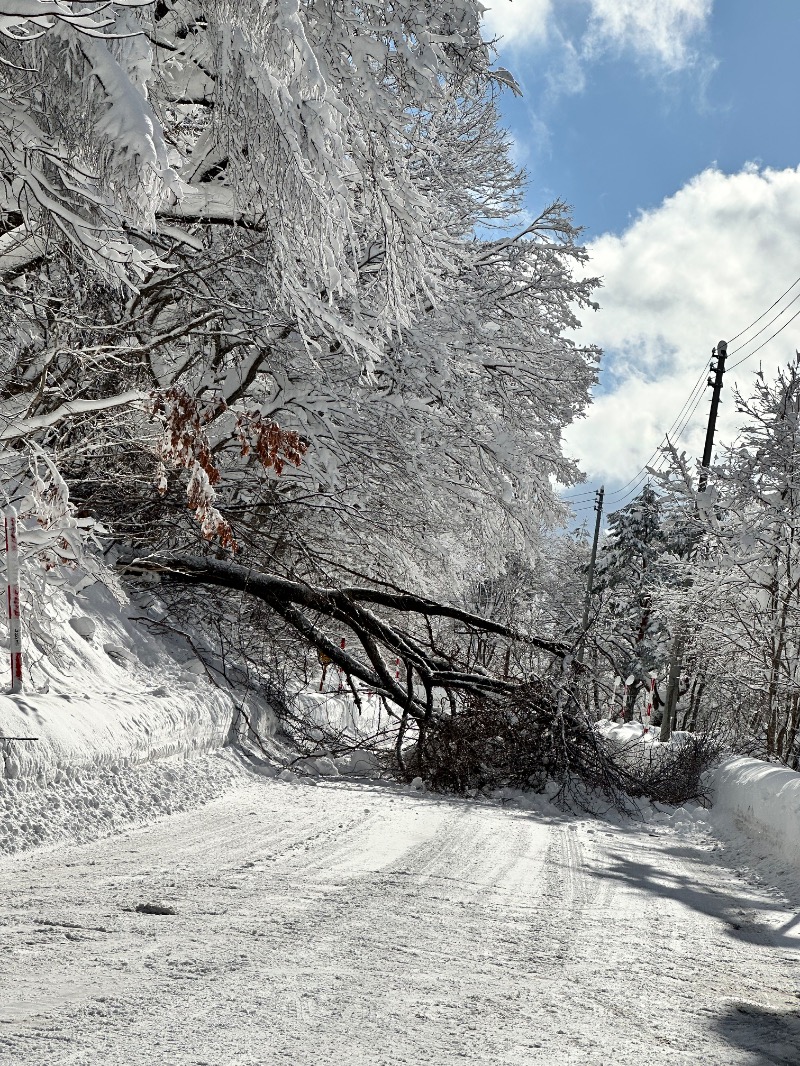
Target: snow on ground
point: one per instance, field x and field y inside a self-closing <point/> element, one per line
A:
<point x="336" y="711"/>
<point x="116" y="709"/>
<point x="109" y="691"/>
<point x="366" y="924"/>
<point x="359" y="922"/>
<point x="755" y="807"/>
<point x="757" y="811"/>
<point x="763" y="800"/>
<point x="630" y="736"/>
<point x="92" y="802"/>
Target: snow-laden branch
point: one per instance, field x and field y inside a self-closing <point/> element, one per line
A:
<point x="20" y="248"/>
<point x="15" y="425"/>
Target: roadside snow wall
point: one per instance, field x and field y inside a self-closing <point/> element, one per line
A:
<point x="109" y="692"/>
<point x="631" y="742"/>
<point x="763" y="802"/>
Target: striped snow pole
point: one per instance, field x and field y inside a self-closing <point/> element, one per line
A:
<point x="12" y="577"/>
<point x="613" y="712"/>
<point x="649" y="710"/>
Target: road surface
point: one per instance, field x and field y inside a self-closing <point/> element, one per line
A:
<point x="360" y="924"/>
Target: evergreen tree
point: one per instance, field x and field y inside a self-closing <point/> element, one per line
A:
<point x="630" y="565"/>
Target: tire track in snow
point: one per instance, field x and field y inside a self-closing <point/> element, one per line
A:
<point x="680" y="947"/>
<point x="364" y="926"/>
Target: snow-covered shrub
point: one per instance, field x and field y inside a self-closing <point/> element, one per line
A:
<point x="671" y="772"/>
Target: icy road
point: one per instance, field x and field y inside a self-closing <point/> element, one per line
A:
<point x="356" y="924"/>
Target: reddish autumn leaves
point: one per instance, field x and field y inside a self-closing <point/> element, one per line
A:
<point x="274" y="446"/>
<point x="185" y="444"/>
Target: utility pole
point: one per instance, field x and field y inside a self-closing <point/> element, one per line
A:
<point x="720" y="353"/>
<point x="669" y="719"/>
<point x="598" y="506"/>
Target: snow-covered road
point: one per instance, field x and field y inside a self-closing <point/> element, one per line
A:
<point x="358" y="924"/>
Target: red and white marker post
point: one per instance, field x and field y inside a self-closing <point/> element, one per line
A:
<point x="649" y="710"/>
<point x="612" y="714"/>
<point x="12" y="577"/>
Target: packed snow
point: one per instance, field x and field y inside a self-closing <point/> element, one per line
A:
<point x="105" y="734"/>
<point x="112" y="692"/>
<point x="373" y="924"/>
<point x="172" y="897"/>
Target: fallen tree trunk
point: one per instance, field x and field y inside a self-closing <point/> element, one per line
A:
<point x="426" y="668"/>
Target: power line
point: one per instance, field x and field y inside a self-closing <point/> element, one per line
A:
<point x="755" y="320"/>
<point x="635" y="482"/>
<point x="644" y="469"/>
<point x="767" y="324"/>
<point x="770" y="338"/>
<point x="690" y="414"/>
<point x="644" y="472"/>
<point x="661" y="462"/>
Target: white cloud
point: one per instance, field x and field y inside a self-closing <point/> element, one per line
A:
<point x="566" y="76"/>
<point x="519" y="21"/>
<point x="655" y="30"/>
<point x="661" y="34"/>
<point x="695" y="270"/>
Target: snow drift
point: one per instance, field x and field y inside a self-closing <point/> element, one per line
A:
<point x="763" y="801"/>
<point x="109" y="691"/>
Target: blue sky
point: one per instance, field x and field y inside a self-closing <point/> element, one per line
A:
<point x="671" y="127"/>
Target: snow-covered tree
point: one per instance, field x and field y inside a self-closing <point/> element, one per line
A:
<point x="628" y="631"/>
<point x="310" y="227"/>
<point x="735" y="601"/>
<point x="753" y="520"/>
<point x="281" y="274"/>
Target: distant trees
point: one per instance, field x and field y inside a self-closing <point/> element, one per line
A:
<point x="706" y="585"/>
<point x="752" y="576"/>
<point x="630" y="568"/>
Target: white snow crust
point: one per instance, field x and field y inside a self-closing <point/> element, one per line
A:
<point x="762" y="801"/>
<point x="112" y="693"/>
<point x="129" y="727"/>
<point x="365" y="924"/>
<point x="755" y="804"/>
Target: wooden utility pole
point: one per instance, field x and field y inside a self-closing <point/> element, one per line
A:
<point x="679" y="643"/>
<point x="598" y="506"/>
<point x="720" y="353"/>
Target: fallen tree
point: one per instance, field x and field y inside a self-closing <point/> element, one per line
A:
<point x="427" y="667"/>
<point x="489" y="732"/>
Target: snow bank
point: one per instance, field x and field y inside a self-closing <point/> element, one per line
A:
<point x="338" y="712"/>
<point x="761" y="800"/>
<point x="629" y="738"/>
<point x="750" y="797"/>
<point x="109" y="693"/>
<point x="96" y="802"/>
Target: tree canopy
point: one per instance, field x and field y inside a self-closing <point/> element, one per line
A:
<point x="273" y="257"/>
